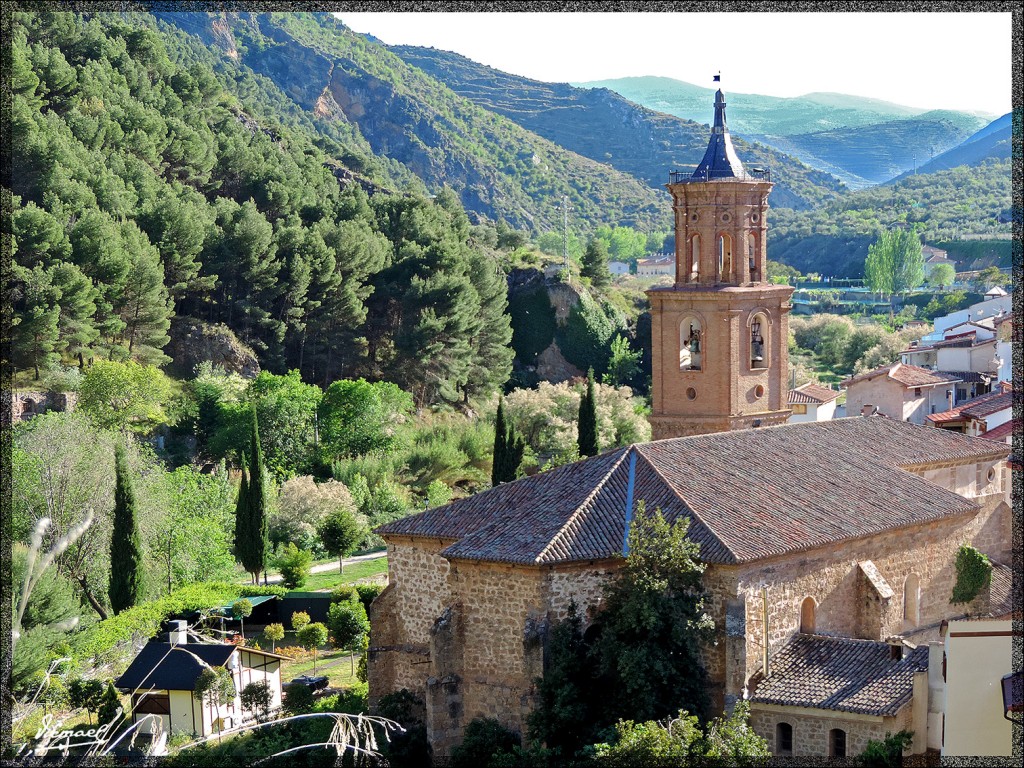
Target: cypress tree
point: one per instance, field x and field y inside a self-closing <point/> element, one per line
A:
<point x="126" y="570"/>
<point x="508" y="449"/>
<point x="587" y="436"/>
<point x="242" y="514"/>
<point x="257" y="531"/>
<point x="500" y="447"/>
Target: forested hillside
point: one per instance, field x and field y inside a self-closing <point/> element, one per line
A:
<point x="964" y="202"/>
<point x="151" y="189"/>
<point x="498" y="169"/>
<point x="602" y="125"/>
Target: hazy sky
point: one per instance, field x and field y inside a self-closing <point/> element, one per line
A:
<point x="927" y="60"/>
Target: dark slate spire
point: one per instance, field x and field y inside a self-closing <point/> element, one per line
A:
<point x="720" y="161"/>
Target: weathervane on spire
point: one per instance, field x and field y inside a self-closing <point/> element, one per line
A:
<point x="717" y="78"/>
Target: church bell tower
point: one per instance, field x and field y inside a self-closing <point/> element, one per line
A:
<point x="720" y="333"/>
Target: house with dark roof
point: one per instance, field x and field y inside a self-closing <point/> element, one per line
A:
<point x="900" y="391"/>
<point x="828" y="695"/>
<point x="161" y="683"/>
<point x="861" y="548"/>
<point x="812" y="402"/>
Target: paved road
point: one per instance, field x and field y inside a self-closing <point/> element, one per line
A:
<point x="333" y="565"/>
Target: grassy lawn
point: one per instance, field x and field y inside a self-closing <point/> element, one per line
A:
<point x="364" y="569"/>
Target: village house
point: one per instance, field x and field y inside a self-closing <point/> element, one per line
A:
<point x="618" y="268"/>
<point x="979" y="415"/>
<point x="899" y="391"/>
<point x="933" y="257"/>
<point x="979" y="352"/>
<point x="813" y="402"/>
<point x="161" y="681"/>
<point x="656" y="266"/>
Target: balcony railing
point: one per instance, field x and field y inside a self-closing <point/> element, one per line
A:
<point x="750" y="174"/>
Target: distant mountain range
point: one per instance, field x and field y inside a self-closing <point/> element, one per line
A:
<point x="602" y="125"/>
<point x="860" y="140"/>
<point x="994" y="141"/>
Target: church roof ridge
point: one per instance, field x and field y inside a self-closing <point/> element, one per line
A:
<point x="749" y="494"/>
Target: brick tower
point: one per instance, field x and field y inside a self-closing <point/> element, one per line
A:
<point x="720" y="333"/>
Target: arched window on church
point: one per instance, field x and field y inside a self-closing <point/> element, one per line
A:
<point x="724" y="258"/>
<point x="694" y="259"/>
<point x="912" y="600"/>
<point x="691" y="344"/>
<point x="758" y="345"/>
<point x="807" y="609"/>
<point x="752" y="250"/>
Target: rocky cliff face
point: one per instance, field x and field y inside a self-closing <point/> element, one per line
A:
<point x="498" y="169"/>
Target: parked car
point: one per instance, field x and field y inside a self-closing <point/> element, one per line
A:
<point x="313" y="683"/>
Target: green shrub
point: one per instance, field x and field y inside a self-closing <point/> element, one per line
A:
<point x="484" y="740"/>
<point x="294" y="564"/>
<point x="298" y="700"/>
<point x="368" y="593"/>
<point x="887" y="753"/>
<point x="343" y="593"/>
<point x="973" y="574"/>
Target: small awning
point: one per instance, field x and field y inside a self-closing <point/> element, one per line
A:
<point x="225" y="610"/>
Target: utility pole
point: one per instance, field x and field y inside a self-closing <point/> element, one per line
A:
<point x="565" y="237"/>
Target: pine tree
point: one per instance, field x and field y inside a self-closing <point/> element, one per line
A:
<point x="595" y="263"/>
<point x="500" y="449"/>
<point x="126" y="567"/>
<point x="587" y="436"/>
<point x="257" y="530"/>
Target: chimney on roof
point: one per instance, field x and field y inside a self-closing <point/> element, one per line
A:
<point x="868" y="409"/>
<point x="179" y="633"/>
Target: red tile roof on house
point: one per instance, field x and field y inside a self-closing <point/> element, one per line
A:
<point x="977" y="407"/>
<point x="750" y="494"/>
<point x="1004" y="430"/>
<point x="814" y="394"/>
<point x="840" y="674"/>
<point x="907" y="375"/>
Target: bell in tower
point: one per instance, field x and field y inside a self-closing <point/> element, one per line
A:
<point x="722" y="321"/>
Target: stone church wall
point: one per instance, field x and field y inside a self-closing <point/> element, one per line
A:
<point x="848" y="605"/>
<point x="811" y="727"/>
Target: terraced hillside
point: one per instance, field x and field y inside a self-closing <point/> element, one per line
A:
<point x="602" y="125"/>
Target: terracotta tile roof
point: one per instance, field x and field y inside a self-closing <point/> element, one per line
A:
<point x="812" y="393"/>
<point x="1000" y="599"/>
<point x="976" y="408"/>
<point x="986" y="405"/>
<point x="907" y="375"/>
<point x="749" y="494"/>
<point x="841" y="674"/>
<point x="1004" y="430"/>
<point x="945" y="417"/>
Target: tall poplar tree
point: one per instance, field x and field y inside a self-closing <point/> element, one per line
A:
<point x="126" y="568"/>
<point x="587" y="423"/>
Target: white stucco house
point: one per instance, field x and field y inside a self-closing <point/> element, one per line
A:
<point x="161" y="681"/>
<point x="813" y="402"/>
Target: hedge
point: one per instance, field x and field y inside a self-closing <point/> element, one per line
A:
<point x="106" y="636"/>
